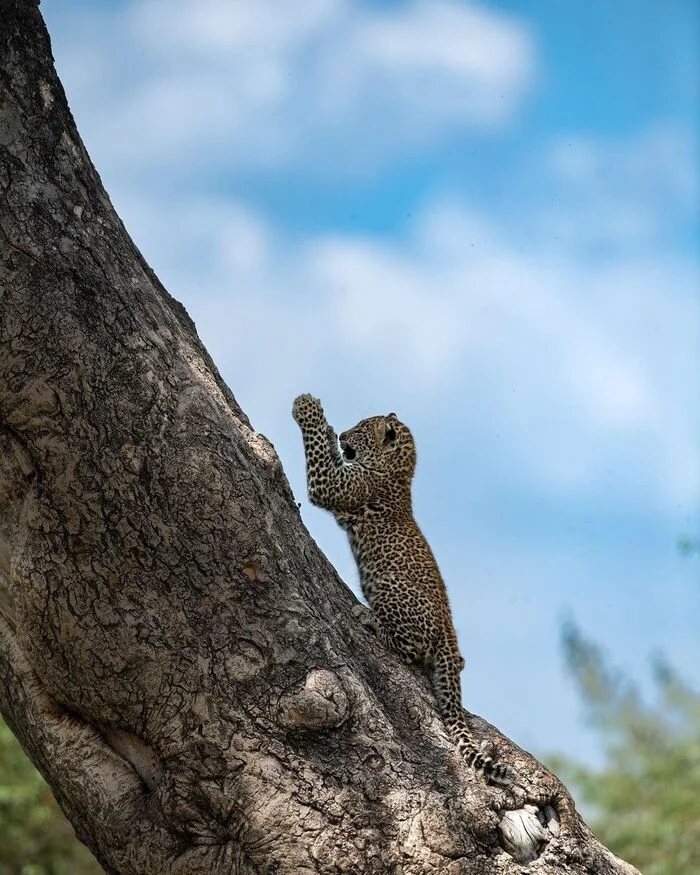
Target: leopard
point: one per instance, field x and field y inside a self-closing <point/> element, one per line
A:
<point x="364" y="478"/>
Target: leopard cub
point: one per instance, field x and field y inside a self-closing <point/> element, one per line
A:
<point x="364" y="479"/>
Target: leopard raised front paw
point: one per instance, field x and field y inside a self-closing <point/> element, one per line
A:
<point x="307" y="411"/>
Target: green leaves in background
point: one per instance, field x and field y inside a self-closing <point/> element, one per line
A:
<point x="35" y="837"/>
<point x="644" y="803"/>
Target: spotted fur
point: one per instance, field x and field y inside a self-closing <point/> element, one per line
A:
<point x="364" y="478"/>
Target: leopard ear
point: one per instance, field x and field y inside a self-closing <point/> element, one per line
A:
<point x="389" y="434"/>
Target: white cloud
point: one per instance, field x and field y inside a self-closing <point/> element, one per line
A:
<point x="646" y="185"/>
<point x="661" y="160"/>
<point x="217" y="27"/>
<point x="263" y="84"/>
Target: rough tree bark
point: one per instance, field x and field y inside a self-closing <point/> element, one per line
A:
<point x="176" y="655"/>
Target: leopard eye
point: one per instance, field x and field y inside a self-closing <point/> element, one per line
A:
<point x="348" y="453"/>
<point x="390" y="435"/>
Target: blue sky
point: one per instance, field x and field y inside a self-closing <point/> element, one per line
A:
<point x="481" y="216"/>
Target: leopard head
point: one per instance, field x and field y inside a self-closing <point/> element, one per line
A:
<point x="382" y="444"/>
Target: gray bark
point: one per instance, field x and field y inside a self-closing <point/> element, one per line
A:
<point x="176" y="655"/>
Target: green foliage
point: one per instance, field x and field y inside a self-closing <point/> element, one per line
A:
<point x="645" y="802"/>
<point x="35" y="837"/>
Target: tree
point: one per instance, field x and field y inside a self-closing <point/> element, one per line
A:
<point x="652" y="757"/>
<point x="176" y="655"/>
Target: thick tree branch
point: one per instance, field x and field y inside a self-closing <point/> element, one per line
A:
<point x="176" y="655"/>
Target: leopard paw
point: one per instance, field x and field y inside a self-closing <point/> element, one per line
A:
<point x="307" y="411"/>
<point x="495" y="772"/>
<point x="365" y="616"/>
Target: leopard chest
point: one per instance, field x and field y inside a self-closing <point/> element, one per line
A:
<point x="373" y="547"/>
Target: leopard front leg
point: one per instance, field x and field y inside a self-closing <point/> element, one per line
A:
<point x="308" y="414"/>
<point x="331" y="483"/>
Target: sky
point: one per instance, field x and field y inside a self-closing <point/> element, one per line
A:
<point x="482" y="216"/>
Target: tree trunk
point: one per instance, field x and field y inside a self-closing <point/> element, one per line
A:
<point x="176" y="655"/>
